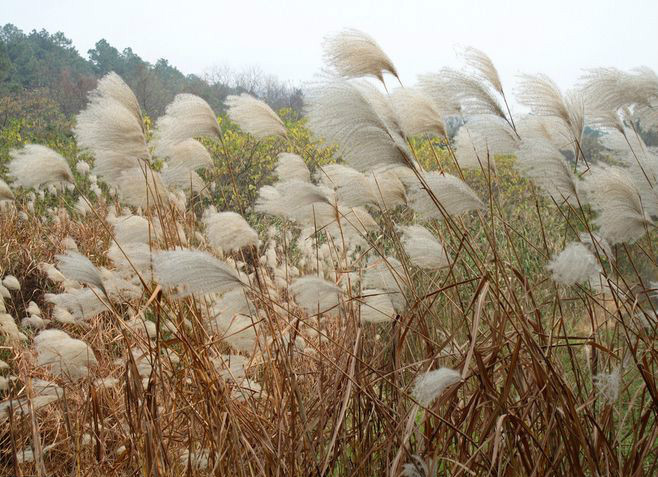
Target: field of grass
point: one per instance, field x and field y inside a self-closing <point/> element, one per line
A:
<point x="237" y="296"/>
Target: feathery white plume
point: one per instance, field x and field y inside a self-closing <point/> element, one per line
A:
<point x="180" y="177"/>
<point x="424" y="250"/>
<point x="11" y="282"/>
<point x="186" y="117"/>
<point x="194" y="272"/>
<point x="9" y="329"/>
<point x="351" y="115"/>
<point x="574" y="264"/>
<point x="111" y="128"/>
<point x="141" y="187"/>
<point x="607" y="385"/>
<point x="5" y="191"/>
<point x="417" y="113"/>
<point x="254" y="116"/>
<point x="229" y="231"/>
<point x="235" y="319"/>
<point x="472" y="96"/>
<point x="485" y="68"/>
<point x="387" y="275"/>
<point x="291" y="199"/>
<point x="64" y="355"/>
<point x="190" y="154"/>
<point x="375" y="306"/>
<point x="82" y="304"/>
<point x="76" y="266"/>
<point x="430" y="385"/>
<point x="353" y="53"/>
<point x="621" y="216"/>
<point x="483" y="138"/>
<point x="544" y="98"/>
<point x="315" y="295"/>
<point x="541" y="162"/>
<point x="453" y="194"/>
<point x="291" y="167"/>
<point x="37" y="165"/>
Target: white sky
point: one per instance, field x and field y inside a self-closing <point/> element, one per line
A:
<point x="283" y="37"/>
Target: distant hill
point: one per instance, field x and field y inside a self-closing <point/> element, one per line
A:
<point x="46" y="64"/>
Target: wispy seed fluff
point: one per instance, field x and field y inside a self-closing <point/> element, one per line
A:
<point x="291" y="167"/>
<point x="621" y="216"/>
<point x="11" y="282"/>
<point x="424" y="250"/>
<point x="37" y="165"/>
<point x="111" y="128"/>
<point x="64" y="355"/>
<point x="430" y="385"/>
<point x="229" y="231"/>
<point x="417" y="113"/>
<point x="375" y="306"/>
<point x="194" y="272"/>
<point x="453" y="194"/>
<point x="575" y="264"/>
<point x="351" y="115"/>
<point x="315" y="295"/>
<point x="607" y="385"/>
<point x="186" y="117"/>
<point x="254" y="116"/>
<point x="5" y="191"/>
<point x="79" y="268"/>
<point x="353" y="54"/>
<point x="481" y="139"/>
<point x="543" y="163"/>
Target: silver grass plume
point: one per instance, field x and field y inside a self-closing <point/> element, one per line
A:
<point x="290" y="199"/>
<point x="481" y="139"/>
<point x="621" y="216"/>
<point x="315" y="295"/>
<point x="482" y="64"/>
<point x="375" y="306"/>
<point x="112" y="86"/>
<point x="291" y="167"/>
<point x="387" y="274"/>
<point x="574" y="264"/>
<point x="5" y="191"/>
<point x="597" y="243"/>
<point x="543" y="163"/>
<point x="180" y="177"/>
<point x="353" y="54"/>
<point x="430" y="385"/>
<point x="194" y="272"/>
<point x="544" y="98"/>
<point x="254" y="116"/>
<point x="65" y="356"/>
<point x="641" y="163"/>
<point x="453" y="194"/>
<point x="471" y="94"/>
<point x="141" y="187"/>
<point x="36" y="165"/>
<point x="352" y="116"/>
<point x="235" y="319"/>
<point x="82" y="304"/>
<point x="190" y="154"/>
<point x="610" y="90"/>
<point x="79" y="268"/>
<point x="186" y="117"/>
<point x="229" y="231"/>
<point x="417" y="113"/>
<point x="424" y="250"/>
<point x="111" y="128"/>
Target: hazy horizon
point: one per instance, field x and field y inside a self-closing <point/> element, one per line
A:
<point x="284" y="38"/>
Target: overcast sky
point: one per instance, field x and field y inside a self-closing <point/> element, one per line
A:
<point x="284" y="37"/>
